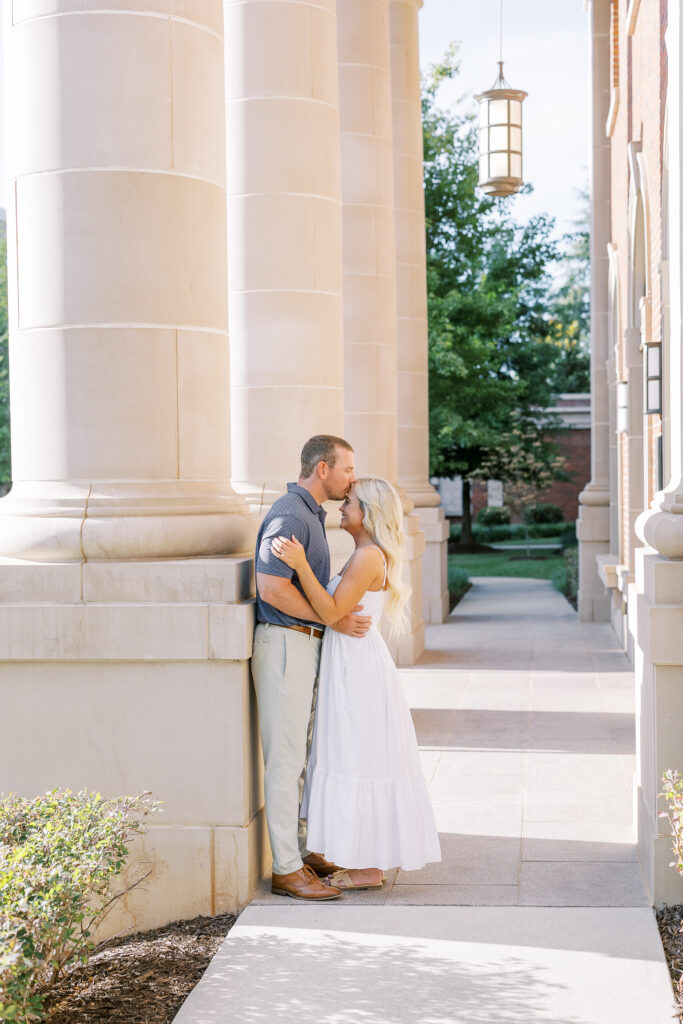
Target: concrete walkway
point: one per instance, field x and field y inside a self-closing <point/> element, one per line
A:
<point x="537" y="914"/>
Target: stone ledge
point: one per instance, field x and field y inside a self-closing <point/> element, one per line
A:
<point x="607" y="570"/>
<point x="125" y="632"/>
<point x="185" y="581"/>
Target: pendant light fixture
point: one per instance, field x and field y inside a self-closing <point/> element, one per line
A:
<point x="500" y="133"/>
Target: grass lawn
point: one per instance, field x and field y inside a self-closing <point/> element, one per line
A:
<point x="533" y="542"/>
<point x="504" y="563"/>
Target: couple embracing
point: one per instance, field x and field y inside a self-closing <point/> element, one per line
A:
<point x="345" y="796"/>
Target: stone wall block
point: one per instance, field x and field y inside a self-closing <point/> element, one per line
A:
<point x="121" y="228"/>
<point x="206" y="13"/>
<point x="303" y="360"/>
<point x="117" y="120"/>
<point x="198" y="92"/>
<point x="72" y="436"/>
<point x="203" y="360"/>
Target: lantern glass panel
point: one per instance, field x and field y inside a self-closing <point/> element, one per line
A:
<point x="653" y="361"/>
<point x="515" y="165"/>
<point x="498" y="111"/>
<point x="653" y="399"/>
<point x="498" y="138"/>
<point x="483" y="114"/>
<point x="499" y="165"/>
<point x="483" y="167"/>
<point x="515" y="112"/>
<point x="516" y="139"/>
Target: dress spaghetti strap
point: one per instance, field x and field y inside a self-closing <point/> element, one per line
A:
<point x="384" y="559"/>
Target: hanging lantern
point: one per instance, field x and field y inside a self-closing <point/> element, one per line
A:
<point x="500" y="138"/>
<point x="500" y="133"/>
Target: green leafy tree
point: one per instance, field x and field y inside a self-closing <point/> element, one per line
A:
<point x="570" y="310"/>
<point x="5" y="466"/>
<point x="488" y="284"/>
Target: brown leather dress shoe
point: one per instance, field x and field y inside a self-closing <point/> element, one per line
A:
<point x="303" y="885"/>
<point x="323" y="868"/>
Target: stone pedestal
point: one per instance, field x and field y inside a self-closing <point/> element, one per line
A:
<point x="126" y="677"/>
<point x="656" y="623"/>
<point x="436" y="529"/>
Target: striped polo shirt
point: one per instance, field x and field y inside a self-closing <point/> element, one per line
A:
<point x="296" y="512"/>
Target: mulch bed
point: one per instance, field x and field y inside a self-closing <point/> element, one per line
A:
<point x="138" y="979"/>
<point x="670" y="922"/>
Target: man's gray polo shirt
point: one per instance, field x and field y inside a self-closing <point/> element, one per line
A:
<point x="296" y="512"/>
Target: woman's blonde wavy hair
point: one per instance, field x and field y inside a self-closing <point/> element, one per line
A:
<point x="383" y="519"/>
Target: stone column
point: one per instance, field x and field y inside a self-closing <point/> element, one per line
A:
<point x="119" y="349"/>
<point x="131" y="665"/>
<point x="284" y="235"/>
<point x="413" y="405"/>
<point x="655" y="622"/>
<point x="369" y="262"/>
<point x="593" y="527"/>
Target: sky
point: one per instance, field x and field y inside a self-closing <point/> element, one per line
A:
<point x="545" y="48"/>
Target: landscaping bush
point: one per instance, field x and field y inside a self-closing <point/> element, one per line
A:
<point x="493" y="516"/>
<point x="673" y="794"/>
<point x="568" y="538"/>
<point x="511" y="531"/>
<point x="458" y="584"/>
<point x="59" y="855"/>
<point x="566" y="577"/>
<point x="543" y="513"/>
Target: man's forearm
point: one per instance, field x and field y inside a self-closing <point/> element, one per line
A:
<point x="287" y="599"/>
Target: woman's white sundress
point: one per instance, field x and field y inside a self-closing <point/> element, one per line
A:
<point x="365" y="795"/>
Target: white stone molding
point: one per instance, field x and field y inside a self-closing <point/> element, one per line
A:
<point x="661" y="526"/>
<point x="593" y="528"/>
<point x="284" y="236"/>
<point x="118" y="321"/>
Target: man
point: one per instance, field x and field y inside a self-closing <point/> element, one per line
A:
<point x="286" y="658"/>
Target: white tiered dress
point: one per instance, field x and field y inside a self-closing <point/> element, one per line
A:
<point x="365" y="795"/>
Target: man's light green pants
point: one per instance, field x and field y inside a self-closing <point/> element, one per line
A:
<point x="285" y="667"/>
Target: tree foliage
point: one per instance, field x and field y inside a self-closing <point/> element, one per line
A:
<point x="502" y="338"/>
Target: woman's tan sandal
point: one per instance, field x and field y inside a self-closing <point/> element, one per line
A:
<point x="342" y="880"/>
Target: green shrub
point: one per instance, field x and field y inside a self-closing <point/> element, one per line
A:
<point x="673" y="794"/>
<point x="493" y="516"/>
<point x="59" y="855"/>
<point x="543" y="513"/>
<point x="511" y="531"/>
<point x="568" y="538"/>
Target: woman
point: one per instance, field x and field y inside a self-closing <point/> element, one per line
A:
<point x="365" y="796"/>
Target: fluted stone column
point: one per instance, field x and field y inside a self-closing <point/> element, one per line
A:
<point x="285" y="236"/>
<point x="656" y="621"/>
<point x="118" y="321"/>
<point x="369" y="263"/>
<point x="130" y="663"/>
<point x="594" y="516"/>
<point x="412" y="337"/>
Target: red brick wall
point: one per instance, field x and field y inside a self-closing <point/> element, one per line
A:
<point x="575" y="448"/>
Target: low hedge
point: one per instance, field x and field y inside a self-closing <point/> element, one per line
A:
<point x="59" y="855"/>
<point x="511" y="531"/>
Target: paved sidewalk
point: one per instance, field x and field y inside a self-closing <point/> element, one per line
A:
<point x="537" y="914"/>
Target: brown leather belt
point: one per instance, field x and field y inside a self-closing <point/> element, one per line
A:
<point x="308" y="630"/>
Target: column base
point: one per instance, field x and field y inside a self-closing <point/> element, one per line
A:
<point x="57" y="522"/>
<point x="136" y="677"/>
<point x="655" y="615"/>
<point x="592" y="529"/>
<point x="435" y="601"/>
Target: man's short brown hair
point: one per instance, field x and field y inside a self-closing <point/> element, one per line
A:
<point x="321" y="448"/>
